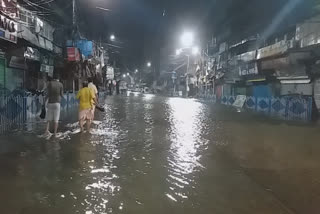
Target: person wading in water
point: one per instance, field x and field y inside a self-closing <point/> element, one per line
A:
<point x="86" y="97"/>
<point x="54" y="95"/>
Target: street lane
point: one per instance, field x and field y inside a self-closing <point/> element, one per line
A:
<point x="152" y="154"/>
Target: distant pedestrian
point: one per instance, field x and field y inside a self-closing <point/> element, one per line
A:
<point x="95" y="91"/>
<point x="86" y="97"/>
<point x="54" y="95"/>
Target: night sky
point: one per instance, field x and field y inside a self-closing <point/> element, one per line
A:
<point x="141" y="27"/>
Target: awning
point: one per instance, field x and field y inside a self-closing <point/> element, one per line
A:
<point x="293" y="78"/>
<point x="302" y="81"/>
<point x="49" y="45"/>
<point x="26" y="34"/>
<point x="42" y="42"/>
<point x="257" y="80"/>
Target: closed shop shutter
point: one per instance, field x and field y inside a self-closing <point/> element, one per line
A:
<point x="262" y="91"/>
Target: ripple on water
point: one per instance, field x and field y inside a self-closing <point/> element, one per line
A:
<point x="184" y="156"/>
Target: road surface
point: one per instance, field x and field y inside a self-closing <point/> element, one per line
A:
<point x="150" y="154"/>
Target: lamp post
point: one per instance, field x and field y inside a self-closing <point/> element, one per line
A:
<point x="188" y="50"/>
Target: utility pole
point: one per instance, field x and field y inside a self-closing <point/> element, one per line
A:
<point x="74" y="13"/>
<point x="187" y="77"/>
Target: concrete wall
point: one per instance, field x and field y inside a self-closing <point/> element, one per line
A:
<point x="301" y="89"/>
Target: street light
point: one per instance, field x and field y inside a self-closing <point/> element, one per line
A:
<point x="195" y="50"/>
<point x="112" y="37"/>
<point x="136" y="71"/>
<point x="187" y="39"/>
<point x="128" y="74"/>
<point x="149" y="64"/>
<point x="124" y="76"/>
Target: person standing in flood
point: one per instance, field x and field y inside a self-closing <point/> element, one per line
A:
<point x="54" y="95"/>
<point x="95" y="91"/>
<point x="87" y="98"/>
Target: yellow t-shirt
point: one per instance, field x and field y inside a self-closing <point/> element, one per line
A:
<point x="85" y="96"/>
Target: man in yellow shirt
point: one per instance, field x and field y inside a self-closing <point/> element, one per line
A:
<point x="95" y="91"/>
<point x="85" y="96"/>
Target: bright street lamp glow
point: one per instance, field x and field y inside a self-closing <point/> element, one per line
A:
<point x="187" y="39"/>
<point x="136" y="71"/>
<point x="112" y="37"/>
<point x="128" y="74"/>
<point x="178" y="52"/>
<point x="149" y="64"/>
<point x="124" y="76"/>
<point x="195" y="50"/>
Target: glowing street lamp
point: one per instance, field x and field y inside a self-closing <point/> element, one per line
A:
<point x="187" y="39"/>
<point x="128" y="74"/>
<point x="124" y="76"/>
<point x="195" y="50"/>
<point x="136" y="71"/>
<point x="178" y="52"/>
<point x="112" y="37"/>
<point x="149" y="64"/>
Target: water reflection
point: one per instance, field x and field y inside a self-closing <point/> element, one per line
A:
<point x="184" y="159"/>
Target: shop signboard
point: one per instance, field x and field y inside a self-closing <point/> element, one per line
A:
<point x="47" y="69"/>
<point x="73" y="54"/>
<point x="248" y="69"/>
<point x="110" y="73"/>
<point x="9" y="8"/>
<point x="240" y="101"/>
<point x="8" y="29"/>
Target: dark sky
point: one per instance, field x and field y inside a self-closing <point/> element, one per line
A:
<point x="140" y="26"/>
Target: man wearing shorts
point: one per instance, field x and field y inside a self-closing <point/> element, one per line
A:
<point x="86" y="97"/>
<point x="54" y="94"/>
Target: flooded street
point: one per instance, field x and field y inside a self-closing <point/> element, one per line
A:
<point x="151" y="154"/>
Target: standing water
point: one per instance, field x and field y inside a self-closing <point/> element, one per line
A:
<point x="149" y="154"/>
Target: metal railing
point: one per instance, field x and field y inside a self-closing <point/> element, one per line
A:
<point x="17" y="110"/>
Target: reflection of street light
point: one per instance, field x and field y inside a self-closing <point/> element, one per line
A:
<point x="187" y="39"/>
<point x="112" y="37"/>
<point x="149" y="64"/>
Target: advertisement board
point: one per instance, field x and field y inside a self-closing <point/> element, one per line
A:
<point x="9" y="8"/>
<point x="8" y="29"/>
<point x="110" y="73"/>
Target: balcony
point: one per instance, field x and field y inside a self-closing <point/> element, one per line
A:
<point x="276" y="49"/>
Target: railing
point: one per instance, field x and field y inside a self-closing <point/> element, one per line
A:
<point x="291" y="108"/>
<point x="18" y="110"/>
<point x="296" y="108"/>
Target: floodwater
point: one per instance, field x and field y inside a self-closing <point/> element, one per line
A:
<point x="150" y="154"/>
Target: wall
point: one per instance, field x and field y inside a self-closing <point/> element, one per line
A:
<point x="14" y="78"/>
<point x="301" y="89"/>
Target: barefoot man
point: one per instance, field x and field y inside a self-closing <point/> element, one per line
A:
<point x="54" y="95"/>
<point x="85" y="96"/>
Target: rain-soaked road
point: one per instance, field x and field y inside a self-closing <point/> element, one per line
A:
<point x="149" y="154"/>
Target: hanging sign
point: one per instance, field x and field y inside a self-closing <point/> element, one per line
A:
<point x="9" y="8"/>
<point x="8" y="29"/>
<point x="73" y="54"/>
